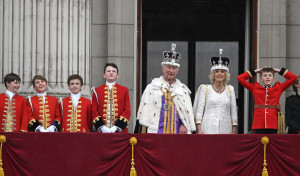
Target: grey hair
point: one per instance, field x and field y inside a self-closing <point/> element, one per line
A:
<point x="212" y="80"/>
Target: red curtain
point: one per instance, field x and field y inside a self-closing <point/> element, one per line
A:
<point x="91" y="154"/>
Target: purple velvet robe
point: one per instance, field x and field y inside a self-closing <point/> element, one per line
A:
<point x="169" y="121"/>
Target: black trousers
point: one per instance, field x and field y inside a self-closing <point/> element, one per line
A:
<point x="265" y="131"/>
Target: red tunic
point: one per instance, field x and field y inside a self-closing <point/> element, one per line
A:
<point x="44" y="113"/>
<point x="78" y="120"/>
<point x="13" y="116"/>
<point x="120" y="100"/>
<point x="266" y="118"/>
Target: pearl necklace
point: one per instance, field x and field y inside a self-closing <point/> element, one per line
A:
<point x="219" y="90"/>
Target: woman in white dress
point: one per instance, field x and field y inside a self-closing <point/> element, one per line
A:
<point x="215" y="104"/>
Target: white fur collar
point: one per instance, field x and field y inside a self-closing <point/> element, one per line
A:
<point x="177" y="88"/>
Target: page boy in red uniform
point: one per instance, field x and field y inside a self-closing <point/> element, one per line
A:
<point x="76" y="111"/>
<point x="43" y="112"/>
<point x="266" y="97"/>
<point x="13" y="116"/>
<point x="110" y="104"/>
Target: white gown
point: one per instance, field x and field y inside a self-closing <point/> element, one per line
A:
<point x="216" y="113"/>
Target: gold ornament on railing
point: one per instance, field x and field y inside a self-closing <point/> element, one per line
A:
<point x="265" y="141"/>
<point x="2" y="140"/>
<point x="133" y="142"/>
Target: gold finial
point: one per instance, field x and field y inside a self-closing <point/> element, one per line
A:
<point x="133" y="142"/>
<point x="265" y="140"/>
<point x="2" y="138"/>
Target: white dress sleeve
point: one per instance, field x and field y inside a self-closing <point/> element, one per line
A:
<point x="233" y="108"/>
<point x="196" y="100"/>
<point x="199" y="104"/>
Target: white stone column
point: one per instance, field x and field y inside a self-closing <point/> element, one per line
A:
<point x="273" y="35"/>
<point x="113" y="41"/>
<point x="293" y="38"/>
<point x="121" y="18"/>
<point x="50" y="38"/>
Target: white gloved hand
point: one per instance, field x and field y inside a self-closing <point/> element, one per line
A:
<point x="113" y="129"/>
<point x="40" y="129"/>
<point x="104" y="129"/>
<point x="51" y="128"/>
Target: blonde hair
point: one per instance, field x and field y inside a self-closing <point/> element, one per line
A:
<point x="212" y="80"/>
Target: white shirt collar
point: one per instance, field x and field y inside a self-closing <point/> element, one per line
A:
<point x="110" y="85"/>
<point x="10" y="94"/>
<point x="42" y="95"/>
<point x="75" y="98"/>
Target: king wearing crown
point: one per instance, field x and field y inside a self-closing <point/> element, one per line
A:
<point x="166" y="105"/>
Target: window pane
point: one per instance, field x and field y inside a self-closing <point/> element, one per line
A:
<point x="206" y="50"/>
<point x="155" y="57"/>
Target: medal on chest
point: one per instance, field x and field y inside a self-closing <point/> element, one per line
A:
<point x="168" y="101"/>
<point x="166" y="106"/>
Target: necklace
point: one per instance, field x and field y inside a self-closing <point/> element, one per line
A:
<point x="219" y="90"/>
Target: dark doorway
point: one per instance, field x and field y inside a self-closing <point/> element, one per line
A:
<point x="200" y="28"/>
